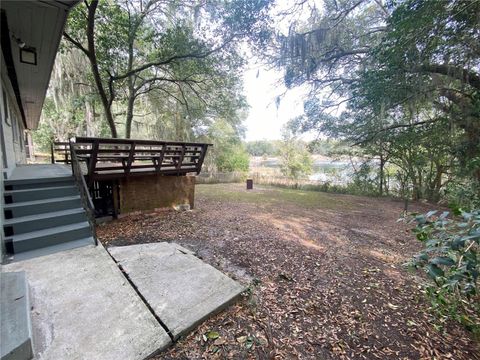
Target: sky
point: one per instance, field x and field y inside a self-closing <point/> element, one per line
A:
<point x="265" y="120"/>
<point x="262" y="86"/>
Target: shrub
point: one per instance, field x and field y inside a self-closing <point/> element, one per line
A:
<point x="451" y="259"/>
<point x="233" y="159"/>
<point x="296" y="161"/>
<point x="464" y="195"/>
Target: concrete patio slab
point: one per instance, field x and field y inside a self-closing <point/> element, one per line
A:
<point x="36" y="171"/>
<point x="181" y="289"/>
<point x="84" y="308"/>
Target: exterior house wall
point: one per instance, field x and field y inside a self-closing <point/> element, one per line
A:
<point x="149" y="192"/>
<point x="39" y="26"/>
<point x="12" y="147"/>
<point x="12" y="128"/>
<point x="2" y="241"/>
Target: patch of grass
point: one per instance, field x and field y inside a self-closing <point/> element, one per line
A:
<point x="269" y="195"/>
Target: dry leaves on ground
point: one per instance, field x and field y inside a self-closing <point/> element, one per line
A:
<point x="325" y="275"/>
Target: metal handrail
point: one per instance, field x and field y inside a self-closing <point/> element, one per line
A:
<point x="84" y="193"/>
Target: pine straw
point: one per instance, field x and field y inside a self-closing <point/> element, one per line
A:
<point x="325" y="282"/>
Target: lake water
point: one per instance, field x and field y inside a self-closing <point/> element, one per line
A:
<point x="324" y="169"/>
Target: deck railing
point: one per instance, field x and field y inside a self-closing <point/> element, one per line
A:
<point x="115" y="158"/>
<point x="84" y="193"/>
<point x="60" y="152"/>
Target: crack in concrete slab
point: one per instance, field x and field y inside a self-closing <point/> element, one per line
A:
<point x="179" y="287"/>
<point x="162" y="324"/>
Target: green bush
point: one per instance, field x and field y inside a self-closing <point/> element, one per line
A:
<point x="464" y="195"/>
<point x="233" y="159"/>
<point x="451" y="259"/>
<point x="364" y="183"/>
<point x="296" y="161"/>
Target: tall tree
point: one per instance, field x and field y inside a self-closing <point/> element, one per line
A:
<point x="384" y="77"/>
<point x="135" y="47"/>
<point x="430" y="61"/>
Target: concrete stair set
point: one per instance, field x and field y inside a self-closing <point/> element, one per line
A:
<point x="42" y="216"/>
<point x="43" y="213"/>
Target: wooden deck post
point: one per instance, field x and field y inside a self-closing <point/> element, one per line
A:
<point x="160" y="158"/>
<point x="52" y="153"/>
<point x="131" y="155"/>
<point x="93" y="162"/>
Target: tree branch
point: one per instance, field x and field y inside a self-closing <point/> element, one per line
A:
<point x="384" y="10"/>
<point x="331" y="80"/>
<point x="373" y="134"/>
<point x="76" y="43"/>
<point x="160" y="79"/>
<point x="172" y="59"/>
<point x="469" y="77"/>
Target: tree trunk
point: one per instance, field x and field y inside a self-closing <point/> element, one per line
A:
<point x="131" y="84"/>
<point x="437" y="184"/>
<point x="178" y="124"/>
<point x="471" y="126"/>
<point x="382" y="173"/>
<point x="107" y="103"/>
<point x="415" y="186"/>
<point x="130" y="105"/>
<point x="89" y="119"/>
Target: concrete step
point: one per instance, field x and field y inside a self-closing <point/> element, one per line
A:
<point x="16" y="328"/>
<point x="22" y="184"/>
<point x="35" y="207"/>
<point x="52" y="249"/>
<point x="15" y="196"/>
<point x="48" y="237"/>
<point x="25" y="224"/>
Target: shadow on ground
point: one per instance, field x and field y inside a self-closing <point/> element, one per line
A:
<point x="325" y="274"/>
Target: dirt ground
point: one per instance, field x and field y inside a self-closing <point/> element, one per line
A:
<point x="325" y="276"/>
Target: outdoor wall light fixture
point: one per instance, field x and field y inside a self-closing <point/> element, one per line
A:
<point x="19" y="42"/>
<point x="28" y="55"/>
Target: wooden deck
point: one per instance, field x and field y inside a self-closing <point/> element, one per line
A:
<point x="106" y="159"/>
